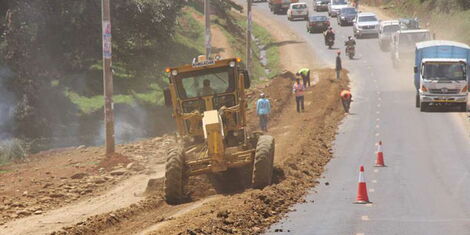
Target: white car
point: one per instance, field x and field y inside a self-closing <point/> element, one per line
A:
<point x="335" y="5"/>
<point x="366" y="24"/>
<point x="386" y="29"/>
<point x="297" y="10"/>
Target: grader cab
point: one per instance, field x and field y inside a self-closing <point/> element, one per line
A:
<point x="209" y="106"/>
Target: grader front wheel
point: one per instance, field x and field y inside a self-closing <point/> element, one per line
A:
<point x="174" y="176"/>
<point x="264" y="160"/>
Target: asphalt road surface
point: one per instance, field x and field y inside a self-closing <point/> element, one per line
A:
<point x="425" y="188"/>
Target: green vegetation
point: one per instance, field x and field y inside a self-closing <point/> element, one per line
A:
<point x="238" y="41"/>
<point x="12" y="149"/>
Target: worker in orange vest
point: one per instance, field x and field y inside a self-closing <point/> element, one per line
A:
<point x="346" y="99"/>
<point x="298" y="90"/>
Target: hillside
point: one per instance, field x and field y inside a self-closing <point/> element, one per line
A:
<point x="450" y="19"/>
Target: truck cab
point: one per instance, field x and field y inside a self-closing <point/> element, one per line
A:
<point x="441" y="74"/>
<point x="205" y="85"/>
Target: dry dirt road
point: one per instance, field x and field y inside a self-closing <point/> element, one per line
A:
<point x="303" y="148"/>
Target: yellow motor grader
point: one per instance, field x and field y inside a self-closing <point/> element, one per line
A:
<point x="209" y="106"/>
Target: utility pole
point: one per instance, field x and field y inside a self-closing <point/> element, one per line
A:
<point x="207" y="15"/>
<point x="107" y="78"/>
<point x="248" y="37"/>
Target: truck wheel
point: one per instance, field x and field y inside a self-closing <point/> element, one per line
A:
<point x="174" y="176"/>
<point x="423" y="106"/>
<point x="264" y="160"/>
<point x="417" y="101"/>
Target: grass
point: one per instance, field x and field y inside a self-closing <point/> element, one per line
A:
<point x="264" y="37"/>
<point x="13" y="149"/>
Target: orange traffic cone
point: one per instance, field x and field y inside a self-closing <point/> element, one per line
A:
<point x="362" y="197"/>
<point x="379" y="162"/>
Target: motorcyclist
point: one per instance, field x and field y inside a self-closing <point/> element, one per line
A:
<point x="349" y="43"/>
<point x="329" y="34"/>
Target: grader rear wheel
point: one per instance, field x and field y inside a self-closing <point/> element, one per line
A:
<point x="264" y="160"/>
<point x="174" y="176"/>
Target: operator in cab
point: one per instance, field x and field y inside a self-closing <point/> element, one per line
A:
<point x="206" y="88"/>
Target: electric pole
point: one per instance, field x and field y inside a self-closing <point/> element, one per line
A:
<point x="207" y="15"/>
<point x="107" y="77"/>
<point x="248" y="37"/>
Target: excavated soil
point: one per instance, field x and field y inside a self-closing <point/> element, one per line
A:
<point x="55" y="178"/>
<point x="303" y="148"/>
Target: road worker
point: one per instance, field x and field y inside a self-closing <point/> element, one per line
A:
<point x="346" y="99"/>
<point x="339" y="67"/>
<point x="298" y="90"/>
<point x="305" y="74"/>
<point x="263" y="108"/>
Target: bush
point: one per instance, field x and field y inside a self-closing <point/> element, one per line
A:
<point x="13" y="149"/>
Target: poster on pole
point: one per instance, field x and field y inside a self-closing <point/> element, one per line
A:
<point x="107" y="40"/>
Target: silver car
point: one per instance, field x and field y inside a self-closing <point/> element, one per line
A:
<point x="366" y="24"/>
<point x="335" y="5"/>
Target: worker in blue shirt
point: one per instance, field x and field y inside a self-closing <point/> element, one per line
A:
<point x="263" y="108"/>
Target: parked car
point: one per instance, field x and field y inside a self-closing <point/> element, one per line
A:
<point x="297" y="10"/>
<point x="346" y="16"/>
<point x="335" y="5"/>
<point x="386" y="29"/>
<point x="317" y="24"/>
<point x="365" y="24"/>
<point x="320" y="5"/>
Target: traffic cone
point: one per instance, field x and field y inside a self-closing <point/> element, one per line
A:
<point x="362" y="197"/>
<point x="379" y="162"/>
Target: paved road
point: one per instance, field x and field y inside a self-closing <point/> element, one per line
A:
<point x="426" y="187"/>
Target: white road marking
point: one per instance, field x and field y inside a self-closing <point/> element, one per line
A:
<point x="376" y="170"/>
<point x="378" y="119"/>
<point x="377" y="126"/>
<point x="377" y="134"/>
<point x="378" y="112"/>
<point x="364" y="218"/>
<point x="360" y="234"/>
<point x="379" y="105"/>
<point x="369" y="205"/>
<point x="374" y="181"/>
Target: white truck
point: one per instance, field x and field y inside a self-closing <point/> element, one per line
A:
<point x="403" y="45"/>
<point x="441" y="74"/>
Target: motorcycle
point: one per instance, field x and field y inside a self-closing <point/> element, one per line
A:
<point x="350" y="51"/>
<point x="329" y="39"/>
<point x="330" y="42"/>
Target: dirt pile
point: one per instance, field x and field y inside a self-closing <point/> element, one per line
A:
<point x="55" y="178"/>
